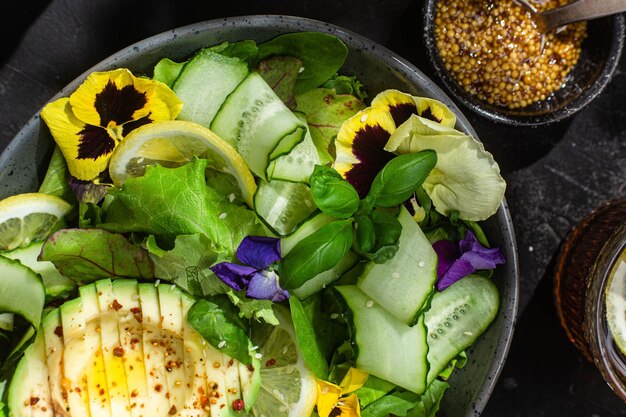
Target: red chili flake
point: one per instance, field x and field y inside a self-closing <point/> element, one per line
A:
<point x="135" y="310"/>
<point x="250" y="368"/>
<point x="34" y="400"/>
<point x="137" y="313"/>
<point x="118" y="351"/>
<point x="134" y="394"/>
<point x="204" y="401"/>
<point x="158" y="387"/>
<point x="102" y="391"/>
<point x="172" y="410"/>
<point x="270" y="362"/>
<point x="238" y="404"/>
<point x="115" y="305"/>
<point x="59" y="331"/>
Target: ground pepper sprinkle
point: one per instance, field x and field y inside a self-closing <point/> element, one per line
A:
<point x="496" y="54"/>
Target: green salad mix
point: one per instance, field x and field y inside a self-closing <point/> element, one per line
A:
<point x="248" y="232"/>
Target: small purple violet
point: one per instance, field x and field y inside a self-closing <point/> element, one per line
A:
<point x="459" y="259"/>
<point x="258" y="253"/>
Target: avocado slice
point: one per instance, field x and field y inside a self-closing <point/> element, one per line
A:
<point x="101" y="299"/>
<point x="30" y="396"/>
<point x="172" y="330"/>
<point x="195" y="369"/>
<point x="130" y="332"/>
<point x="97" y="388"/>
<point x="153" y="354"/>
<point x="53" y="340"/>
<point x="77" y="353"/>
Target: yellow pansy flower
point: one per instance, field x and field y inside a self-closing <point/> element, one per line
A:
<point x="331" y="399"/>
<point x="89" y="124"/>
<point x="402" y="105"/>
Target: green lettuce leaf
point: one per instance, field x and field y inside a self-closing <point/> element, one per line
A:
<point x="346" y="84"/>
<point x="167" y="71"/>
<point x="86" y="255"/>
<point x="280" y="73"/>
<point x="57" y="179"/>
<point x="259" y="310"/>
<point x="176" y="201"/>
<point x="187" y="264"/>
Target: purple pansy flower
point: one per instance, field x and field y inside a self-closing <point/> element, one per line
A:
<point x="459" y="259"/>
<point x="260" y="281"/>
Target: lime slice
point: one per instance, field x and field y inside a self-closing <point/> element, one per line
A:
<point x="173" y="143"/>
<point x="288" y="388"/>
<point x="616" y="303"/>
<point x="29" y="217"/>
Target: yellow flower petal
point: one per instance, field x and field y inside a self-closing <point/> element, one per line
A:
<point x="349" y="406"/>
<point x="86" y="148"/>
<point x="327" y="397"/>
<point x="359" y="147"/>
<point x="112" y="98"/>
<point x="402" y="105"/>
<point x="354" y="379"/>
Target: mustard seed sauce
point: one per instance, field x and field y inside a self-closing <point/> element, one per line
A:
<point x="494" y="51"/>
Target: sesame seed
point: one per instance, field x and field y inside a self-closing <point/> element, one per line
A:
<point x="421" y="264"/>
<point x="258" y="355"/>
<point x="334" y="316"/>
<point x="395" y="275"/>
<point x="468" y="333"/>
<point x="222" y="216"/>
<point x="231" y="197"/>
<point x="370" y="303"/>
<point x="253" y="348"/>
<point x="363" y="118"/>
<point x="221" y="344"/>
<point x="157" y="282"/>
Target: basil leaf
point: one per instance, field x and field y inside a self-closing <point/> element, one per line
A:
<point x="400" y="178"/>
<point x="398" y="403"/>
<point x="364" y="235"/>
<point x="316" y="253"/>
<point x="307" y="339"/>
<point x="384" y="231"/>
<point x="333" y="194"/>
<point x="218" y="322"/>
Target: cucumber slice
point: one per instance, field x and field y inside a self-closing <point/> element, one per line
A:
<point x="297" y="165"/>
<point x="457" y="316"/>
<point x="283" y="205"/>
<point x="384" y="346"/>
<point x="258" y="124"/>
<point x="403" y="284"/>
<point x="204" y="83"/>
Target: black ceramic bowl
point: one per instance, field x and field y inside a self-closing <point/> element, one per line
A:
<point x="600" y="55"/>
<point x="24" y="161"/>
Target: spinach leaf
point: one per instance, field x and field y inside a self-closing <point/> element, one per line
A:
<point x="316" y="253"/>
<point x="430" y="400"/>
<point x="85" y="255"/>
<point x="333" y="194"/>
<point x="322" y="55"/>
<point x="400" y="177"/>
<point x="307" y="339"/>
<point x="373" y="389"/>
<point x="397" y="403"/>
<point x="218" y="322"/>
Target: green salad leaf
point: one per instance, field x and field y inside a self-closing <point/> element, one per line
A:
<point x="333" y="194"/>
<point x="86" y="255"/>
<point x="308" y="340"/>
<point x="259" y="310"/>
<point x="318" y="252"/>
<point x="280" y="73"/>
<point x="57" y="179"/>
<point x="322" y="55"/>
<point x="325" y="111"/>
<point x="218" y="322"/>
<point x="346" y="84"/>
<point x="246" y="50"/>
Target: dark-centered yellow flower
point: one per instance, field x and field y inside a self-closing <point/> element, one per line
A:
<point x="360" y="143"/>
<point x="89" y="124"/>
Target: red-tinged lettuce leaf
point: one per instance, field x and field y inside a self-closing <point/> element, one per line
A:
<point x="325" y="112"/>
<point x="86" y="255"/>
<point x="280" y="73"/>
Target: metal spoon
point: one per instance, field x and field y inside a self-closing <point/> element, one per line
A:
<point x="573" y="12"/>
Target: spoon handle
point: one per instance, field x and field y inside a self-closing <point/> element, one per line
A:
<point x="581" y="10"/>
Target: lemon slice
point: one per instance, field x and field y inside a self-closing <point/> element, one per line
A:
<point x="616" y="303"/>
<point x="288" y="388"/>
<point x="173" y="143"/>
<point x="29" y="217"/>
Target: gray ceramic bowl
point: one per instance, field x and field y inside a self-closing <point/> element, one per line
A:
<point x="25" y="159"/>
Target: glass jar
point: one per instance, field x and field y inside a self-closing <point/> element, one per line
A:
<point x="588" y="259"/>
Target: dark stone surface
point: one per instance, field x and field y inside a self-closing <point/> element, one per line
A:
<point x="555" y="174"/>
